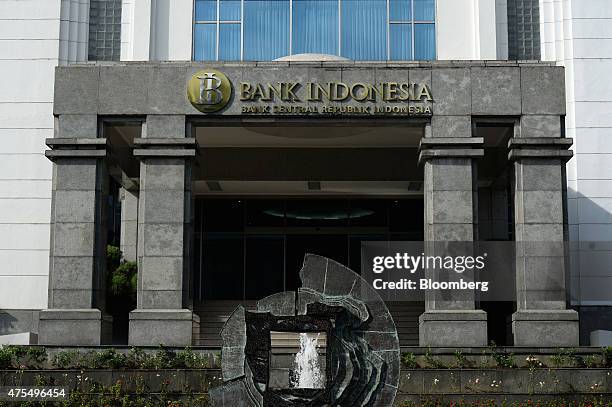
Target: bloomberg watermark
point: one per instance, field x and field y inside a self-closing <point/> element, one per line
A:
<point x="461" y="271"/>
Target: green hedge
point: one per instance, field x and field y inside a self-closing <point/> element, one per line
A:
<point x="36" y="357"/>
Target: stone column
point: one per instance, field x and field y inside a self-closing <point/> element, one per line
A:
<point x="539" y="154"/>
<point x="448" y="153"/>
<point x="129" y="224"/>
<point x="163" y="315"/>
<point x="77" y="263"/>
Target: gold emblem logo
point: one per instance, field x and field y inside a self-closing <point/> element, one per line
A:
<point x="209" y="91"/>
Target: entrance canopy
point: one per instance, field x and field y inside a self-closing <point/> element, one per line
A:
<point x="304" y="157"/>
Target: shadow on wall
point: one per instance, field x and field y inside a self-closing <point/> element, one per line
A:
<point x="590" y="263"/>
<point x="7" y="323"/>
<point x="161" y="30"/>
<point x="18" y="321"/>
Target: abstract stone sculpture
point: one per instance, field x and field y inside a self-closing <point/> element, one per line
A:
<point x="363" y="353"/>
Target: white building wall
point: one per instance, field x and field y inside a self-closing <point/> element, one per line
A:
<point x="501" y="27"/>
<point x="578" y="35"/>
<point x="135" y="30"/>
<point x="157" y="30"/>
<point x="466" y="29"/>
<point x="35" y="36"/>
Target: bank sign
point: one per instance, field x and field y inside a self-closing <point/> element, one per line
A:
<point x="210" y="91"/>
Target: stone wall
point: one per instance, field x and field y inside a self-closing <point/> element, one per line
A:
<point x="416" y="385"/>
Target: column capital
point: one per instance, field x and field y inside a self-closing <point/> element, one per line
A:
<point x="145" y="147"/>
<point x="450" y="147"/>
<point x="76" y="148"/>
<point x="540" y="147"/>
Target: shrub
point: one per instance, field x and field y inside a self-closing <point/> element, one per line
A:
<point x="563" y="357"/>
<point x="606" y="355"/>
<point x="17" y="356"/>
<point x="409" y="360"/>
<point x="107" y="359"/>
<point x="113" y="254"/>
<point x="123" y="279"/>
<point x="122" y="274"/>
<point x="190" y="360"/>
<point x="36" y="354"/>
<point x="502" y="358"/>
<point x="462" y="361"/>
<point x="533" y="362"/>
<point x="135" y="358"/>
<point x="67" y="359"/>
<point x="433" y="361"/>
<point x="6" y="357"/>
<point x="591" y="361"/>
<point x="163" y="358"/>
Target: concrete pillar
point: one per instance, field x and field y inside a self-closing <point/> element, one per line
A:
<point x="129" y="224"/>
<point x="541" y="318"/>
<point x="448" y="153"/>
<point x="165" y="211"/>
<point x="78" y="236"/>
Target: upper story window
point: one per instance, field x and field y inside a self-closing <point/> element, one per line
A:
<point x="104" y="30"/>
<point x="263" y="30"/>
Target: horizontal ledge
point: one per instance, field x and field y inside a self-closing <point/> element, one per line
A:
<point x="248" y="64"/>
<point x="553" y="142"/>
<point x="450" y="142"/>
<point x="545" y="315"/>
<point x="75" y="142"/>
<point x="72" y="314"/>
<point x="143" y="141"/>
<point x="517" y="154"/>
<point x="163" y="314"/>
<point x="451" y="153"/>
<point x="166" y="152"/>
<point x="453" y="315"/>
<point x="55" y="154"/>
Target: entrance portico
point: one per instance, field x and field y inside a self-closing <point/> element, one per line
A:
<point x="479" y="132"/>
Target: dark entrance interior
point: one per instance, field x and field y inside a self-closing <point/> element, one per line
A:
<point x="248" y="249"/>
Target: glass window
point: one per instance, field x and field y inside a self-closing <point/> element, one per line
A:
<point x="355" y="242"/>
<point x="318" y="212"/>
<point x="424" y="42"/>
<point x="368" y="213"/>
<point x="400" y="37"/>
<point x="266" y="29"/>
<point x="263" y="30"/>
<point x="406" y="215"/>
<point x="315" y="26"/>
<point x="424" y="10"/>
<point x="223" y="215"/>
<point x="265" y="213"/>
<point x="400" y="10"/>
<point x="104" y="30"/>
<point x="206" y="10"/>
<point x="229" y="10"/>
<point x="223" y="261"/>
<point x="205" y="38"/>
<point x="264" y="254"/>
<point x="229" y="42"/>
<point x="364" y="29"/>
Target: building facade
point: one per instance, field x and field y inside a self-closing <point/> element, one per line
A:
<point x="472" y="147"/>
